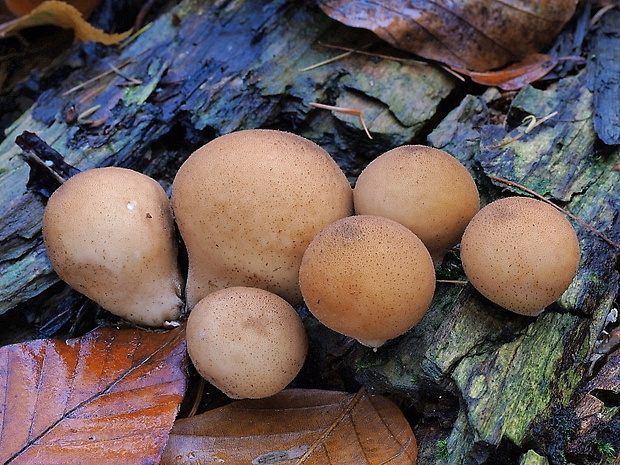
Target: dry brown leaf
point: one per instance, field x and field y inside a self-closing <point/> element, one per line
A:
<point x="61" y="14"/>
<point x="296" y="426"/>
<point x="513" y="77"/>
<point x="106" y="398"/>
<point x="472" y="34"/>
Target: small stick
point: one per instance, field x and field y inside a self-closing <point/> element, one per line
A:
<point x="570" y="215"/>
<point x="201" y="389"/>
<point x="123" y="75"/>
<point x="325" y="62"/>
<point x="348" y="111"/>
<point x="452" y="281"/>
<point x="95" y="78"/>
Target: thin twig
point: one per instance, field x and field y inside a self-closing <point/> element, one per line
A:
<point x="325" y="62"/>
<point x="567" y="213"/>
<point x="376" y="55"/>
<point x="123" y="75"/>
<point x="348" y="111"/>
<point x="452" y="281"/>
<point x="201" y="389"/>
<point x="595" y="19"/>
<point x="96" y="78"/>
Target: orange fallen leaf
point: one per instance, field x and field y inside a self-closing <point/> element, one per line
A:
<point x="517" y="75"/>
<point x="61" y="14"/>
<point x="106" y="398"/>
<point x="296" y="426"/>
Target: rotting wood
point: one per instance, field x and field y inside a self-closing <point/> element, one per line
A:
<point x="245" y="74"/>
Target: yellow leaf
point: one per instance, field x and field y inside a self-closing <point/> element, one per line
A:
<point x="61" y="14"/>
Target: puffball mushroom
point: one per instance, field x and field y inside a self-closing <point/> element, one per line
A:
<point x="248" y="342"/>
<point x="520" y="253"/>
<point x="109" y="233"/>
<point x="426" y="189"/>
<point x="248" y="204"/>
<point x="367" y="277"/>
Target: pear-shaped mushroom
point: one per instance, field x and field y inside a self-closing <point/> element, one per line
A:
<point x="248" y="204"/>
<point x="109" y="233"/>
<point x="248" y="342"/>
<point x="426" y="189"/>
<point x="520" y="253"/>
<point x="367" y="277"/>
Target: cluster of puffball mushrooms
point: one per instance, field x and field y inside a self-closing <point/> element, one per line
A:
<point x="269" y="221"/>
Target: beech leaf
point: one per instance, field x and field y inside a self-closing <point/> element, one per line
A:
<point x="61" y="14"/>
<point x="517" y="75"/>
<point x="108" y="397"/>
<point x="296" y="426"/>
<point x="477" y="35"/>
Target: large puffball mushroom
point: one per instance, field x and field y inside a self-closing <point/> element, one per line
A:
<point x="426" y="189"/>
<point x="248" y="342"/>
<point x="247" y="205"/>
<point x="109" y="233"/>
<point x="520" y="253"/>
<point x="367" y="277"/>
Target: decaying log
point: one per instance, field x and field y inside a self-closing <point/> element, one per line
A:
<point x="225" y="67"/>
<point x="509" y="371"/>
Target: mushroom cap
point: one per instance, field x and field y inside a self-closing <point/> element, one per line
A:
<point x="426" y="189"/>
<point x="367" y="277"/>
<point x="248" y="342"/>
<point x="247" y="205"/>
<point x="109" y="233"/>
<point x="520" y="253"/>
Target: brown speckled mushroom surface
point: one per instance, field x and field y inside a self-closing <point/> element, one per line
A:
<point x="426" y="189"/>
<point x="249" y="203"/>
<point x="367" y="277"/>
<point x="520" y="253"/>
<point x="248" y="342"/>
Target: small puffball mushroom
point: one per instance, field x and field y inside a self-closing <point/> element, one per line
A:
<point x="248" y="342"/>
<point x="367" y="277"/>
<point x="109" y="233"/>
<point x="426" y="189"/>
<point x="520" y="253"/>
<point x="248" y="204"/>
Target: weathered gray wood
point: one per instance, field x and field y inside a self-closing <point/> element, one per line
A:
<point x="605" y="77"/>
